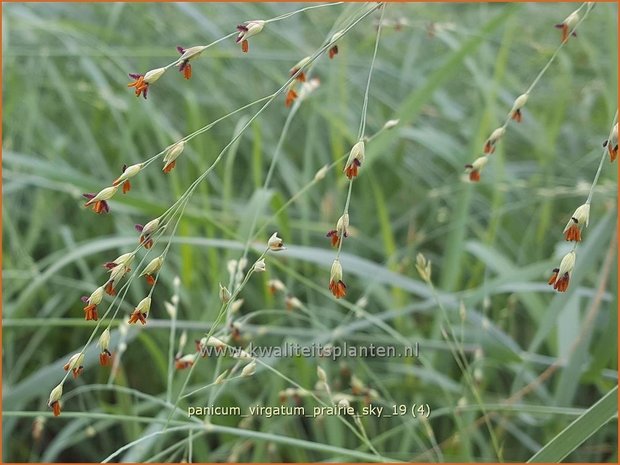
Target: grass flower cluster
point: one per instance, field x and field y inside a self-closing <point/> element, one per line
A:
<point x="276" y="175"/>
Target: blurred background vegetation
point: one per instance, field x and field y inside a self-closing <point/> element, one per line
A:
<point x="450" y="73"/>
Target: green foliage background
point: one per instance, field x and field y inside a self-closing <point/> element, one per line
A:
<point x="70" y="123"/>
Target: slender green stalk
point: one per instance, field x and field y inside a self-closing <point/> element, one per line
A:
<point x="603" y="158"/>
<point x="362" y="127"/>
<point x="221" y="313"/>
<point x="193" y="186"/>
<point x="461" y="360"/>
<point x="361" y="436"/>
<point x="588" y="7"/>
<point x="598" y="171"/>
<point x="272" y="20"/>
<point x="171" y="341"/>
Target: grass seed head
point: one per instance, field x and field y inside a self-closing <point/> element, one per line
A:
<point x="247" y="30"/>
<point x="224" y="294"/>
<point x="333" y="50"/>
<point x="104" y="343"/>
<point x="291" y="95"/>
<point x="519" y="103"/>
<point x="612" y="144"/>
<point x="96" y="297"/>
<point x="171" y="155"/>
<point x="424" y="267"/>
<point x="141" y="312"/>
<point x="474" y="169"/>
<point x="152" y="268"/>
<point x="496" y="135"/>
<point x="104" y="340"/>
<point x="140" y="86"/>
<point x="292" y="302"/>
<point x="75" y="364"/>
<point x="235" y="306"/>
<point x="146" y="232"/>
<point x="308" y="87"/>
<point x="125" y="260"/>
<point x="560" y="277"/>
<point x="336" y="285"/>
<point x="355" y="160"/>
<point x="297" y="69"/>
<point x="275" y="285"/>
<point x="153" y="75"/>
<point x="54" y="400"/>
<point x="128" y="172"/>
<point x="320" y="174"/>
<point x="222" y="377"/>
<point x="249" y="369"/>
<point x="568" y="25"/>
<point x="275" y="243"/>
<point x="187" y="54"/>
<point x="259" y="266"/>
<point x="118" y="272"/>
<point x="184" y="362"/>
<point x="342" y="226"/>
<point x="212" y="342"/>
<point x="391" y="124"/>
<point x="579" y="220"/>
<point x="99" y="202"/>
<point x="341" y="231"/>
<point x="90" y="310"/>
<point x="191" y="52"/>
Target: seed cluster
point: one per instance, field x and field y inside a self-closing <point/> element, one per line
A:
<point x="579" y="220"/>
<point x="299" y="84"/>
<point x="474" y="169"/>
<point x="152" y="231"/>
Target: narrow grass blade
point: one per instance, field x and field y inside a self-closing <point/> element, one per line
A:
<point x="578" y="431"/>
